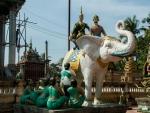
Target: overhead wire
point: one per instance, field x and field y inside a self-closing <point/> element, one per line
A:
<point x="55" y="32"/>
<point x="46" y="32"/>
<point x="59" y="51"/>
<point x="45" y="19"/>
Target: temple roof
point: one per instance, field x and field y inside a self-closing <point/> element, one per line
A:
<point x="31" y="56"/>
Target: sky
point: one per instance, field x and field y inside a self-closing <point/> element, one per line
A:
<point x="50" y="20"/>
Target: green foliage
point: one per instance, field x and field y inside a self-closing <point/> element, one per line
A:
<point x="132" y="24"/>
<point x="147" y="19"/>
<point x="142" y="50"/>
<point x="119" y="66"/>
<point x="143" y="43"/>
<point x="55" y="70"/>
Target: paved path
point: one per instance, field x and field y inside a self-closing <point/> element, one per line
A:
<point x="133" y="110"/>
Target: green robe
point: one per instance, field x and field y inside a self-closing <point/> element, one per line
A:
<point x="65" y="73"/>
<point x="29" y="95"/>
<point x="66" y="77"/>
<point x="33" y="96"/>
<point x="55" y="101"/>
<point x="75" y="100"/>
<point x="25" y="95"/>
<point x="41" y="101"/>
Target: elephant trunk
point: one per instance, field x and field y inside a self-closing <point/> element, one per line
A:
<point x="127" y="48"/>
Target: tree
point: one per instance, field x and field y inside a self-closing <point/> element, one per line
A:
<point x="132" y="24"/>
<point x="147" y="20"/>
<point x="55" y="68"/>
<point x="143" y="43"/>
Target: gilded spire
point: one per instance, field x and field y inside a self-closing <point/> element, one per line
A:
<point x="81" y="13"/>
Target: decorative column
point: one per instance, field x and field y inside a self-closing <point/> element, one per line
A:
<point x="2" y="45"/>
<point x="2" y="41"/>
<point x="129" y="69"/>
<point x="12" y="36"/>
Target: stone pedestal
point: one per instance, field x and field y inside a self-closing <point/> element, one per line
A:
<point x="19" y="89"/>
<point x="7" y="96"/>
<point x="143" y="104"/>
<point x="104" y="108"/>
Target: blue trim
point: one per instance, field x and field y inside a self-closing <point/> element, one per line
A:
<point x="120" y="54"/>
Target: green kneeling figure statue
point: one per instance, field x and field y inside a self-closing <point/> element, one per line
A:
<point x="29" y="95"/>
<point x="55" y="101"/>
<point x="77" y="97"/>
<point x="41" y="101"/>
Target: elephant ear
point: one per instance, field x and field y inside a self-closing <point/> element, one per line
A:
<point x="90" y="45"/>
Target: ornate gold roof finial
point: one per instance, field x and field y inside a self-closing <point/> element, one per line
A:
<point x="81" y="13"/>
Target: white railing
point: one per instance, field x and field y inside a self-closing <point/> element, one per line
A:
<point x="104" y="89"/>
<point x="7" y="91"/>
<point x="119" y="89"/>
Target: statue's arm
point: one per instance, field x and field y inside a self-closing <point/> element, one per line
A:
<point x="103" y="31"/>
<point x="86" y="26"/>
<point x="59" y="90"/>
<point x="91" y="31"/>
<point x="74" y="33"/>
<point x="81" y="91"/>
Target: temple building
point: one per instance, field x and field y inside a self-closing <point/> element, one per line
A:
<point x="129" y="70"/>
<point x="33" y="64"/>
<point x="8" y="13"/>
<point x="129" y="75"/>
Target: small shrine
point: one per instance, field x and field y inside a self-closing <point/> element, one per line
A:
<point x="129" y="69"/>
<point x="32" y="64"/>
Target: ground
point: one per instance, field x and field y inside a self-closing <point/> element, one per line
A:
<point x="132" y="110"/>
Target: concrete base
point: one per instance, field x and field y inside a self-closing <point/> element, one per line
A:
<point x="143" y="104"/>
<point x="104" y="108"/>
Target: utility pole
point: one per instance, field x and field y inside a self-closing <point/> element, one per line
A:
<point x="46" y="57"/>
<point x="22" y="34"/>
<point x="69" y="18"/>
<point x="25" y="32"/>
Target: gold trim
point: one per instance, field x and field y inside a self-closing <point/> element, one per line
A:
<point x="103" y="65"/>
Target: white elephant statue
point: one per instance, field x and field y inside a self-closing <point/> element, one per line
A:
<point x="96" y="54"/>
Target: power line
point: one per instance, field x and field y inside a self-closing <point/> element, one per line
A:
<point x="45" y="29"/>
<point x="45" y="19"/>
<point x="58" y="33"/>
<point x="46" y="32"/>
<point x="37" y="27"/>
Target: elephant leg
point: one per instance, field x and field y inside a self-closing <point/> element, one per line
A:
<point x="88" y="85"/>
<point x="98" y="91"/>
